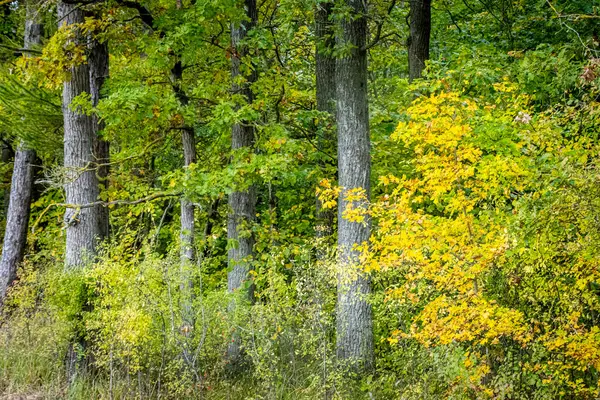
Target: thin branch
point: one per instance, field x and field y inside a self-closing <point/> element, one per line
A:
<point x="452" y="19"/>
<point x="560" y="17"/>
<point x="104" y="204"/>
<point x="145" y="14"/>
<point x="20" y="50"/>
<point x="119" y="202"/>
<point x="162" y="220"/>
<point x="490" y="10"/>
<point x="306" y="136"/>
<point x="378" y="37"/>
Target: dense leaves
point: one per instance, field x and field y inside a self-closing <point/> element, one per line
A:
<point x="485" y="205"/>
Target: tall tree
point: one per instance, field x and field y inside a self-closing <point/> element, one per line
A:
<point x="420" y="33"/>
<point x="354" y="315"/>
<point x="187" y="219"/>
<point x="17" y="220"/>
<point x="98" y="62"/>
<point x="81" y="187"/>
<point x="242" y="203"/>
<point x="325" y="74"/>
<point x="187" y="230"/>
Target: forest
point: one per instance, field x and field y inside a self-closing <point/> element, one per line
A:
<point x="299" y="199"/>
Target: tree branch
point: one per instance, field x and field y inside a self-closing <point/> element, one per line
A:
<point x="20" y="50"/>
<point x="104" y="204"/>
<point x="119" y="202"/>
<point x="145" y="14"/>
<point x="378" y="37"/>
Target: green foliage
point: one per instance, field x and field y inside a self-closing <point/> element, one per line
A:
<point x="485" y="207"/>
<point x="27" y="110"/>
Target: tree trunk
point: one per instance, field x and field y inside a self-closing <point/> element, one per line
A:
<point x="81" y="187"/>
<point x="187" y="208"/>
<point x="242" y="204"/>
<point x="325" y="72"/>
<point x="187" y="233"/>
<point x="420" y="33"/>
<point x="354" y="316"/>
<point x="98" y="63"/>
<point x="15" y="238"/>
<point x="17" y="220"/>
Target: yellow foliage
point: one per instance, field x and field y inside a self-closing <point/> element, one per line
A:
<point x="63" y="51"/>
<point x="444" y="228"/>
<point x="328" y="194"/>
<point x="449" y="228"/>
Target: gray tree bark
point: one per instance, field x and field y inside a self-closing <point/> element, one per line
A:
<point x="15" y="238"/>
<point x="187" y="208"/>
<point x="242" y="204"/>
<point x="188" y="141"/>
<point x="420" y="34"/>
<point x="354" y="315"/>
<point x="81" y="187"/>
<point x="187" y="231"/>
<point x="325" y="72"/>
<point x="187" y="234"/>
<point x="98" y="64"/>
<point x="17" y="220"/>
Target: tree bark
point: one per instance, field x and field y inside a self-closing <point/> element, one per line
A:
<point x="187" y="208"/>
<point x="19" y="203"/>
<point x="420" y="33"/>
<point x="325" y="72"/>
<point x="187" y="231"/>
<point x="242" y="203"/>
<point x="15" y="238"/>
<point x="98" y="64"/>
<point x="354" y="315"/>
<point x="81" y="187"/>
<point x="187" y="234"/>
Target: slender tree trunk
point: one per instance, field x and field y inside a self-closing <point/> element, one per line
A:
<point x="187" y="229"/>
<point x="354" y="316"/>
<point x="187" y="208"/>
<point x="187" y="233"/>
<point x="83" y="227"/>
<point x="242" y="204"/>
<point x="98" y="62"/>
<point x="325" y="72"/>
<point x="420" y="33"/>
<point x="15" y="238"/>
<point x="17" y="221"/>
<point x="188" y="141"/>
